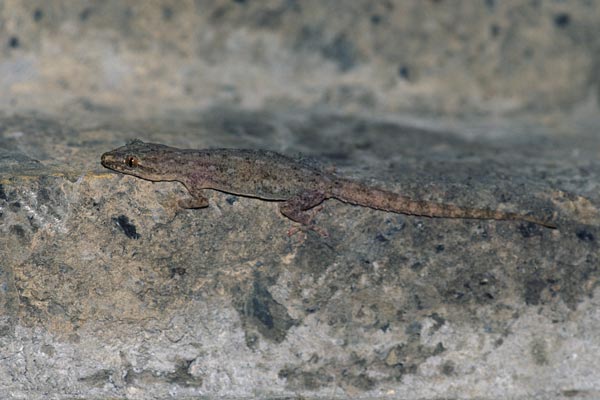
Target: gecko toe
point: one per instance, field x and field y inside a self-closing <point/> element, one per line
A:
<point x="305" y="228"/>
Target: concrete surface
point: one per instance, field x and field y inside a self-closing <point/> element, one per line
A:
<point x="107" y="290"/>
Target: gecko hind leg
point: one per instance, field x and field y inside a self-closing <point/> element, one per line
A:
<point x="301" y="209"/>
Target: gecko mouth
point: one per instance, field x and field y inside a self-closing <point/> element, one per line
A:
<point x="109" y="161"/>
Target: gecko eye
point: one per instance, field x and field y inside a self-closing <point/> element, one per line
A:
<point x="131" y="162"/>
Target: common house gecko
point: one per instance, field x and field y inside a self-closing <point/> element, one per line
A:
<point x="271" y="176"/>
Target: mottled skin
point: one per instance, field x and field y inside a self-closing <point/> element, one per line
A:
<point x="272" y="176"/>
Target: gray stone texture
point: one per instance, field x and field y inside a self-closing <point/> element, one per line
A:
<point x="108" y="290"/>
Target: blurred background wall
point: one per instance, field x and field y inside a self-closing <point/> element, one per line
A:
<point x="425" y="57"/>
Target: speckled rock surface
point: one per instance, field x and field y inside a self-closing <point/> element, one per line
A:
<point x="108" y="290"/>
<point x="468" y="57"/>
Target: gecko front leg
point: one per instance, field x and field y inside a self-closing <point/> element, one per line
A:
<point x="197" y="199"/>
<point x="300" y="208"/>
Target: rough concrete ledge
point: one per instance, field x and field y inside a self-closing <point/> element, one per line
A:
<point x="109" y="291"/>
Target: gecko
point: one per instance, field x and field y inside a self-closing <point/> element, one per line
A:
<point x="267" y="175"/>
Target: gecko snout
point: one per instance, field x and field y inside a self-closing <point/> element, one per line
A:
<point x="107" y="160"/>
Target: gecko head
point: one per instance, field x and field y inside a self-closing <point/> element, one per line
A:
<point x="144" y="160"/>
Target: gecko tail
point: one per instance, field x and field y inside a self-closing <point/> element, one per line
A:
<point x="372" y="197"/>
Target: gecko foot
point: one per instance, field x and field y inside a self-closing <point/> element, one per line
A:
<point x="193" y="202"/>
<point x="307" y="224"/>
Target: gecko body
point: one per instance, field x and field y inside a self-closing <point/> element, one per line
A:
<point x="271" y="176"/>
